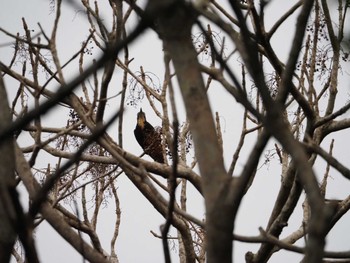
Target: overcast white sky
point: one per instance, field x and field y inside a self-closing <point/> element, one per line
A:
<point x="135" y="243"/>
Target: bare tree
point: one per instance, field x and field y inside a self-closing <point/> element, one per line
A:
<point x="296" y="104"/>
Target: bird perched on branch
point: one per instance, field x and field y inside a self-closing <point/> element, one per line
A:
<point x="148" y="138"/>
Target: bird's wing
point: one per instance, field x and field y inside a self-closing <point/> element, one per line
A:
<point x="153" y="145"/>
<point x="139" y="136"/>
<point x="148" y="127"/>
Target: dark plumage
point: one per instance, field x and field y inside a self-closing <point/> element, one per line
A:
<point x="148" y="138"/>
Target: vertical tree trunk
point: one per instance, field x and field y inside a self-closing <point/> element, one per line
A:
<point x="175" y="24"/>
<point x="7" y="181"/>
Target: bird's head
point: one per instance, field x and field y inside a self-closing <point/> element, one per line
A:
<point x="141" y="118"/>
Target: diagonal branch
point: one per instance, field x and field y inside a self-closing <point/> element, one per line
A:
<point x="66" y="90"/>
<point x="54" y="218"/>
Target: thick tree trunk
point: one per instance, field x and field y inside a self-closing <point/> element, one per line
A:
<point x="7" y="182"/>
<point x="175" y="24"/>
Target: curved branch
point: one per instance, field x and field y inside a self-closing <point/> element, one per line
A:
<point x="329" y="159"/>
<point x="283" y="18"/>
<point x="66" y="90"/>
<point x="54" y="218"/>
